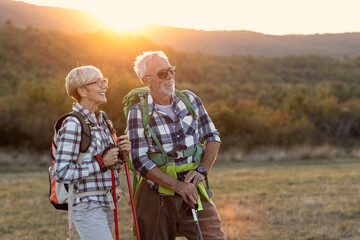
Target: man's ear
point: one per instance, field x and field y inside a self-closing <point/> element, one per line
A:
<point x="146" y="82"/>
<point x="82" y="91"/>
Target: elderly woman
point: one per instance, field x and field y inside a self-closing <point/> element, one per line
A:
<point x="92" y="215"/>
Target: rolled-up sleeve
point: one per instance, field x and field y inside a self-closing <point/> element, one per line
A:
<point x="139" y="145"/>
<point x="66" y="168"/>
<point x="206" y="127"/>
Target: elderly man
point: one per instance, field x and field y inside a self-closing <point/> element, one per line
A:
<point x="168" y="154"/>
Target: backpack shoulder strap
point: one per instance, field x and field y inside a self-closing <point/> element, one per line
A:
<point x="132" y="98"/>
<point x="184" y="98"/>
<point x="144" y="108"/>
<point x="106" y="117"/>
<point x="108" y="122"/>
<point x="85" y="129"/>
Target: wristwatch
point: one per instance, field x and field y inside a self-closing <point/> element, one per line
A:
<point x="203" y="171"/>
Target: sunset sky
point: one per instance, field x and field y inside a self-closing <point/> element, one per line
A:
<point x="266" y="16"/>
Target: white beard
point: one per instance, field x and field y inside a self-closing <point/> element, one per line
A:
<point x="169" y="90"/>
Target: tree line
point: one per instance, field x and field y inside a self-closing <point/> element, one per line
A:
<point x="253" y="101"/>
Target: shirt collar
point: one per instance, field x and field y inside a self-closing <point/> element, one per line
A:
<point x="178" y="105"/>
<point x="89" y="116"/>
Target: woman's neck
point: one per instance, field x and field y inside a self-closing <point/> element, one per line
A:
<point x="92" y="107"/>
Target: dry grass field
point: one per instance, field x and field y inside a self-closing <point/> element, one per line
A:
<point x="302" y="200"/>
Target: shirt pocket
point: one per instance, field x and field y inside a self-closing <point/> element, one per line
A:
<point x="163" y="133"/>
<point x="189" y="124"/>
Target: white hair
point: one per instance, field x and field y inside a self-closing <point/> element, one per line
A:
<point x="78" y="77"/>
<point x="143" y="59"/>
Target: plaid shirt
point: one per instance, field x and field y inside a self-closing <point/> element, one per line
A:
<point x="182" y="134"/>
<point x="87" y="175"/>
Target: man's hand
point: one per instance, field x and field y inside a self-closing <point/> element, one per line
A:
<point x="124" y="144"/>
<point x="187" y="191"/>
<point x="194" y="177"/>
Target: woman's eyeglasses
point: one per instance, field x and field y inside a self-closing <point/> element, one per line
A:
<point x="164" y="73"/>
<point x="101" y="82"/>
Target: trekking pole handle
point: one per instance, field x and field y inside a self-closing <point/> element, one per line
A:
<point x="193" y="211"/>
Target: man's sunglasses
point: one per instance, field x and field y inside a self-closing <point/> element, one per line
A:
<point x="164" y="73"/>
<point x="100" y="82"/>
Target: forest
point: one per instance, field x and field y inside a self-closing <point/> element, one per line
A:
<point x="253" y="101"/>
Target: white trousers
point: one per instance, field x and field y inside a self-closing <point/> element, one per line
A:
<point x="93" y="222"/>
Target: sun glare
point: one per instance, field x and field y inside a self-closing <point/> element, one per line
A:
<point x="118" y="15"/>
<point x="118" y="23"/>
<point x="273" y="17"/>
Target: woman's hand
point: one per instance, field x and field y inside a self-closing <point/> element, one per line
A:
<point x="124" y="144"/>
<point x="110" y="157"/>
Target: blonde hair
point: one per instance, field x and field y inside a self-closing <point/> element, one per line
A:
<point x="78" y="77"/>
<point x="143" y="59"/>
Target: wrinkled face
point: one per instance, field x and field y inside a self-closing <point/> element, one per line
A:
<point x="161" y="87"/>
<point x="96" y="90"/>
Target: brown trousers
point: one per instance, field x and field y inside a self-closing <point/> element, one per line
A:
<point x="161" y="217"/>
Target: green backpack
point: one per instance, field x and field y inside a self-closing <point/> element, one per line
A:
<point x="139" y="95"/>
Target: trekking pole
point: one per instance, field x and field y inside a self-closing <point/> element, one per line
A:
<point x="115" y="210"/>
<point x="196" y="221"/>
<point x="114" y="197"/>
<point x="130" y="193"/>
<point x="125" y="158"/>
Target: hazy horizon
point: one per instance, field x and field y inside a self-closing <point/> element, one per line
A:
<point x="278" y="17"/>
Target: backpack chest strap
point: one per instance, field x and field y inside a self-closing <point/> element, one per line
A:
<point x="163" y="158"/>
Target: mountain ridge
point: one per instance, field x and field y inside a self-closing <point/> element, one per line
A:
<point x="244" y="42"/>
<point x="219" y="42"/>
<point x="23" y="14"/>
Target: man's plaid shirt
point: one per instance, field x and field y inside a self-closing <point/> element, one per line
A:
<point x="182" y="134"/>
<point x="87" y="175"/>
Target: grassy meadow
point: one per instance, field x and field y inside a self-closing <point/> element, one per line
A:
<point x="303" y="200"/>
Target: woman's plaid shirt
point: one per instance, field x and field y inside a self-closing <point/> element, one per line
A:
<point x="87" y="175"/>
<point x="182" y="134"/>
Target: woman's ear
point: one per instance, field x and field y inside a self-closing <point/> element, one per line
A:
<point x="82" y="91"/>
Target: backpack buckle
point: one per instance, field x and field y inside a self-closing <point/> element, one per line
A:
<point x="175" y="154"/>
<point x="142" y="94"/>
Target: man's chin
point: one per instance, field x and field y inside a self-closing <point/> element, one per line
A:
<point x="169" y="90"/>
